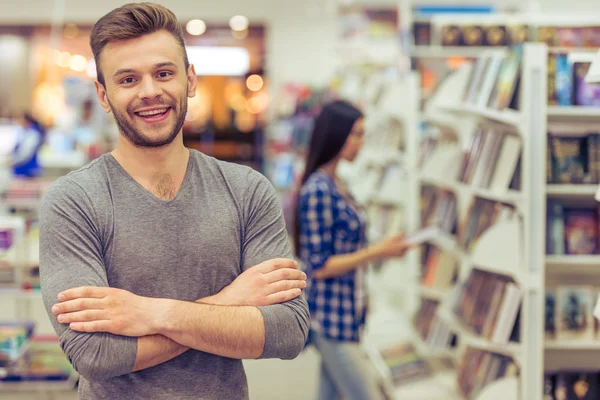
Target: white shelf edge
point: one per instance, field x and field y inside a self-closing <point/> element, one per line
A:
<point x="507" y="196"/>
<point x="498" y="251"/>
<point x="592" y="260"/>
<point x="506" y="388"/>
<point x="433" y="293"/>
<point x="568" y="345"/>
<point x="574" y="112"/>
<point x="571" y="190"/>
<point x="469" y="338"/>
<point x="506" y="116"/>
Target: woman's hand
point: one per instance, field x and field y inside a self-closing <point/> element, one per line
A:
<point x="391" y="247"/>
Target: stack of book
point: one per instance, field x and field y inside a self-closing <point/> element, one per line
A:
<point x="24" y="357"/>
<point x="494" y="80"/>
<point x="438" y="208"/>
<point x="439" y="269"/>
<point x="405" y="364"/>
<point x="573" y="160"/>
<point x="432" y="329"/>
<point x="491" y="160"/>
<point x="489" y="304"/>
<point x="572" y="385"/>
<point x="566" y="82"/>
<point x="478" y="368"/>
<point x="571" y="230"/>
<point x="481" y="215"/>
<point x="569" y="313"/>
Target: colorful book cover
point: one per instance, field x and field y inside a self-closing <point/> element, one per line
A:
<point x="564" y="77"/>
<point x="574" y="312"/>
<point x="581" y="231"/>
<point x="568" y="159"/>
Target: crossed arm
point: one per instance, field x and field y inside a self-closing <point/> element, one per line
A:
<point x="228" y="324"/>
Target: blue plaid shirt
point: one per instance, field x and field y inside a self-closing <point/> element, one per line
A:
<point x="330" y="225"/>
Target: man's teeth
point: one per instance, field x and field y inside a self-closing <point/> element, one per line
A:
<point x="153" y="112"/>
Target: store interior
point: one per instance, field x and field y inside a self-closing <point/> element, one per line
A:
<point x="481" y="120"/>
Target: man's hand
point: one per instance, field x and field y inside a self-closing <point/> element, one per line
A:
<point x="101" y="309"/>
<point x="117" y="311"/>
<point x="271" y="282"/>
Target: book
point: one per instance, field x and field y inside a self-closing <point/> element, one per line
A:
<point x="581" y="231"/>
<point x="574" y="313"/>
<point x="505" y="86"/>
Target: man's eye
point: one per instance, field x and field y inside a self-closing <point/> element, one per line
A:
<point x="127" y="80"/>
<point x="164" y="74"/>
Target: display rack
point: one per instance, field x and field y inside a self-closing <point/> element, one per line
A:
<point x="571" y="270"/>
<point x="511" y="248"/>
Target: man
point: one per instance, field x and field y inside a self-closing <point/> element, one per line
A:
<point x="161" y="267"/>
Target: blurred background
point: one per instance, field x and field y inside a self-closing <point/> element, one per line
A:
<point x="264" y="69"/>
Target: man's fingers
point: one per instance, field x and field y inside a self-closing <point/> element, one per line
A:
<point x="81" y="292"/>
<point x="94" y="326"/>
<point x="275" y="264"/>
<point x="285" y="274"/>
<point x="282" y="286"/>
<point x="77" y="305"/>
<point x="282" y="297"/>
<point x="81" y="316"/>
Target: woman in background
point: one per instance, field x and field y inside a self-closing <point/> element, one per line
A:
<point x="331" y="243"/>
<point x="24" y="160"/>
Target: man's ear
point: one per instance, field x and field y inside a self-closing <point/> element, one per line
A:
<point x="192" y="81"/>
<point x="101" y="93"/>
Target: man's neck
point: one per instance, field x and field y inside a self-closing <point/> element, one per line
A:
<point x="147" y="162"/>
<point x="160" y="170"/>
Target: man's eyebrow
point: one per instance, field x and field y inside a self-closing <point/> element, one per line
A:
<point x="122" y="71"/>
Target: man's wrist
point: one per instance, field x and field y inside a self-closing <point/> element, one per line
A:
<point x="162" y="315"/>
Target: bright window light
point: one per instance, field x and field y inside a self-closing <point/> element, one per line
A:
<point x="225" y="61"/>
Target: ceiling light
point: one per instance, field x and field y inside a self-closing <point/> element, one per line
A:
<point x="254" y="83"/>
<point x="78" y="63"/>
<point x="196" y="27"/>
<point x="239" y="23"/>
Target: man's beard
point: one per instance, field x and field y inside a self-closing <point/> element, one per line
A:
<point x="137" y="138"/>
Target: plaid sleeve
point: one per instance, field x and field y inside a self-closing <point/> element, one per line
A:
<point x="316" y="225"/>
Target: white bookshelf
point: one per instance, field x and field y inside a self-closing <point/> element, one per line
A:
<point x="574" y="114"/>
<point x="566" y="191"/>
<point x="513" y="248"/>
<point x="572" y="270"/>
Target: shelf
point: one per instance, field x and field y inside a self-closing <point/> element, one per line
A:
<point x="468" y="337"/>
<point x="498" y="250"/>
<point x="450" y="185"/>
<point x="574" y="113"/>
<point x="569" y="345"/>
<point x="506" y="388"/>
<point x="39" y="387"/>
<point x="507" y="196"/>
<point x="433" y="51"/>
<point x="447" y="242"/>
<point x="570" y="191"/>
<point x="20" y="293"/>
<point x="433" y="293"/>
<point x="573" y="264"/>
<point x="506" y="116"/>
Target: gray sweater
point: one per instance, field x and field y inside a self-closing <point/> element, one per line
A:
<point x="99" y="227"/>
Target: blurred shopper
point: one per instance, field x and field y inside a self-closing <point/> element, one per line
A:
<point x="24" y="160"/>
<point x="331" y="242"/>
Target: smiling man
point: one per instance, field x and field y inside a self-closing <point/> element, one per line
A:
<point x="161" y="267"/>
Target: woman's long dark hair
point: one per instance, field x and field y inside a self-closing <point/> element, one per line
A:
<point x="330" y="132"/>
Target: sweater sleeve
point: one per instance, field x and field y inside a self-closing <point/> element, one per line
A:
<point x="71" y="255"/>
<point x="265" y="238"/>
